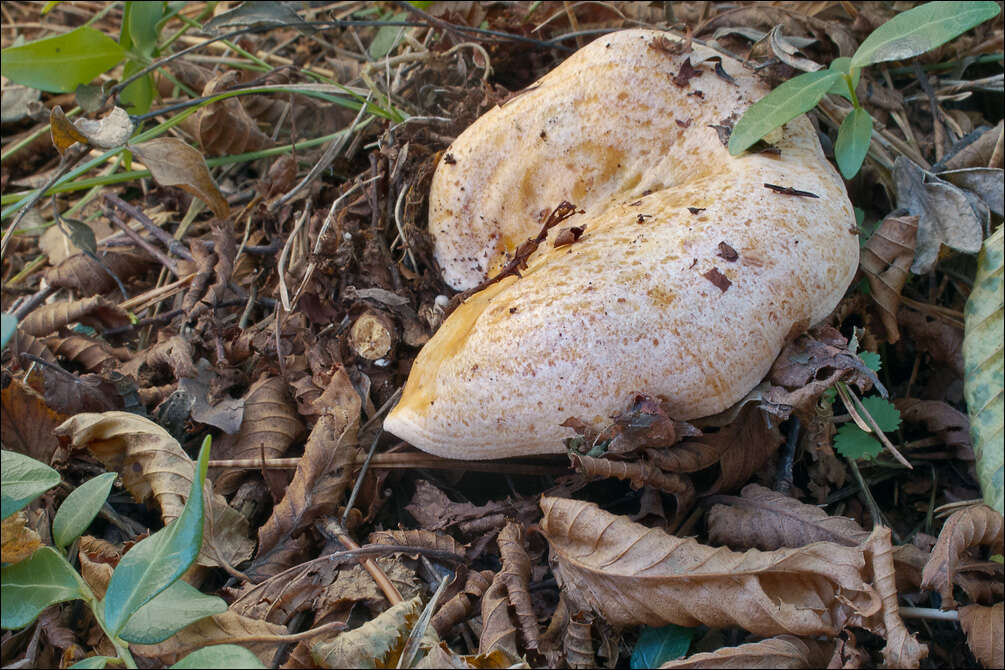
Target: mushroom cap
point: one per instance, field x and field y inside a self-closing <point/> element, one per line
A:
<point x="651" y="298"/>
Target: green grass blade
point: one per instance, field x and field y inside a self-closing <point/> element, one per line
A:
<point x="853" y="142"/>
<point x="921" y="29"/>
<point x="156" y="562"/>
<point x="984" y="363"/>
<point x="79" y="509"/>
<point x="59" y="64"/>
<point x="33" y="584"/>
<point x="796" y="96"/>
<point x="24" y="479"/>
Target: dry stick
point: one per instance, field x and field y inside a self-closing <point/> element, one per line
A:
<point x="157" y="294"/>
<point x="142" y="243"/>
<point x="940" y="131"/>
<point x="173" y="245"/>
<point x="405" y="461"/>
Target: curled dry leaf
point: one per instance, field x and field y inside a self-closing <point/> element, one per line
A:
<point x="225" y="127"/>
<point x="23" y="343"/>
<point x="441" y="656"/>
<point x="90" y="276"/>
<point x="377" y="643"/>
<point x="985" y="635"/>
<point x="107" y="133"/>
<point x="941" y="418"/>
<point x="227" y="627"/>
<point x="902" y="649"/>
<point x="173" y="352"/>
<point x="64" y="133"/>
<point x="640" y="474"/>
<point x="90" y="353"/>
<point x="577" y="643"/>
<point x="767" y="520"/>
<point x="154" y="466"/>
<point x="95" y="312"/>
<point x="174" y="163"/>
<point x="515" y="574"/>
<point x="224" y="252"/>
<point x="319" y="484"/>
<point x="784" y="651"/>
<point x="270" y="426"/>
<point x="461" y="606"/>
<point x="632" y="575"/>
<point x="498" y="630"/>
<point x="970" y="527"/>
<point x="813" y="356"/>
<point x="418" y="538"/>
<point x="886" y="260"/>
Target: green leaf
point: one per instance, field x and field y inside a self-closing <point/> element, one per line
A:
<point x="872" y="360"/>
<point x="219" y="656"/>
<point x="23" y="479"/>
<point x="79" y="509"/>
<point x="170" y="610"/>
<point x="656" y="646"/>
<point x="95" y="662"/>
<point x="59" y="64"/>
<point x="156" y="562"/>
<point x="387" y="37"/>
<point x="796" y="96"/>
<point x="984" y="369"/>
<point x="886" y="415"/>
<point x="81" y="235"/>
<point x="8" y="324"/>
<point x="32" y="585"/>
<point x="854" y="443"/>
<point x="139" y="95"/>
<point x="840" y="87"/>
<point x="921" y="29"/>
<point x="139" y="27"/>
<point x="853" y="142"/>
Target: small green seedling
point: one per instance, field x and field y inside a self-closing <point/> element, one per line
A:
<point x="145" y="602"/>
<point x="906" y="35"/>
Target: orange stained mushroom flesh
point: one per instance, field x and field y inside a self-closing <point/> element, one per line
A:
<point x="690" y="268"/>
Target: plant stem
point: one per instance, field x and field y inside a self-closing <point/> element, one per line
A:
<point x="850" y="81"/>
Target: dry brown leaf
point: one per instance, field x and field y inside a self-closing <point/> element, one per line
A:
<point x="985" y="633"/>
<point x="64" y="133"/>
<point x="441" y="656"/>
<point x="269" y="427"/>
<point x="498" y="631"/>
<point x="640" y="474"/>
<point x="319" y="484"/>
<point x="173" y="352"/>
<point x="418" y="538"/>
<point x="17" y="540"/>
<point x="784" y="651"/>
<point x="225" y="628"/>
<point x="225" y="127"/>
<point x="95" y="312"/>
<point x="90" y="353"/>
<point x="811" y="357"/>
<point x="943" y="342"/>
<point x="23" y="343"/>
<point x="971" y="527"/>
<point x="71" y="394"/>
<point x="98" y="559"/>
<point x="632" y="575"/>
<point x="153" y="465"/>
<point x="980" y="152"/>
<point x="886" y="261"/>
<point x="462" y="605"/>
<point x="577" y="643"/>
<point x="174" y="163"/>
<point x="515" y="574"/>
<point x="280" y="597"/>
<point x="87" y="276"/>
<point x="377" y="643"/>
<point x="948" y="423"/>
<point x="902" y="649"/>
<point x="217" y="266"/>
<point x="354" y="585"/>
<point x="767" y="520"/>
<point x="435" y="511"/>
<point x="27" y="423"/>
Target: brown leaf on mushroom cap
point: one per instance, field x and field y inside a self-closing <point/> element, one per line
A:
<point x="628" y="307"/>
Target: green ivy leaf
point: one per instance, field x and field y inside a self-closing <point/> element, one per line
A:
<point x="219" y="656"/>
<point x="796" y="96"/>
<point x="156" y="562"/>
<point x="853" y="142"/>
<point x="168" y="612"/>
<point x="921" y="29"/>
<point x="23" y="479"/>
<point x="79" y="509"/>
<point x="984" y="369"/>
<point x="656" y="646"/>
<point x="854" y="443"/>
<point x="59" y="64"/>
<point x="33" y="584"/>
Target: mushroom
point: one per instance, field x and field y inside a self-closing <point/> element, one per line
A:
<point x="688" y="272"/>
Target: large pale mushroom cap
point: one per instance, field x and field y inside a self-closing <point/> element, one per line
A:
<point x="636" y="304"/>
